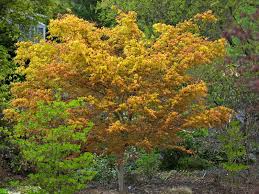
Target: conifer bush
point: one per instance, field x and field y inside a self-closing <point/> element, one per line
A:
<point x="233" y="145"/>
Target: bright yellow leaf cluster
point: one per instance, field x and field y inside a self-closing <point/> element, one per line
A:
<point x="206" y="16"/>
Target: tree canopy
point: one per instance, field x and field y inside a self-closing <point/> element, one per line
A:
<point x="138" y="91"/>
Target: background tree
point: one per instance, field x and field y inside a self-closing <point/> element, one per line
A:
<point x="244" y="54"/>
<point x="17" y="13"/>
<point x="14" y="16"/>
<point x="173" y="12"/>
<point x="137" y="90"/>
<point x="234" y="82"/>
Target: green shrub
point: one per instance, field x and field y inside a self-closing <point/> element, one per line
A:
<point x="105" y="169"/>
<point x="137" y="162"/>
<point x="148" y="164"/>
<point x="193" y="140"/>
<point x="169" y="159"/>
<point x="233" y="145"/>
<point x="3" y="191"/>
<point x="193" y="163"/>
<point x="10" y="156"/>
<point x="53" y="147"/>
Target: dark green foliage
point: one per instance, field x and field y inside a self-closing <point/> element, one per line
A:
<point x="24" y="13"/>
<point x="195" y="141"/>
<point x="191" y="139"/>
<point x="221" y="84"/>
<point x="85" y="9"/>
<point x="173" y="12"/>
<point x="170" y="158"/>
<point x="53" y="147"/>
<point x="6" y="68"/>
<point x="148" y="164"/>
<point x="8" y="151"/>
<point x="193" y="163"/>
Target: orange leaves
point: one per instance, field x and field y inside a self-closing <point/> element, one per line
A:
<point x="206" y="16"/>
<point x="119" y="82"/>
<point x="11" y="114"/>
<point x="189" y="95"/>
<point x="171" y="119"/>
<point x="136" y="90"/>
<point x="219" y="115"/>
<point x="188" y="26"/>
<point x="215" y="117"/>
<point x="117" y="127"/>
<point x="182" y="149"/>
<point x="20" y="102"/>
<point x="150" y="112"/>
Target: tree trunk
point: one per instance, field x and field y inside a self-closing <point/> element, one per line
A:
<point x="120" y="169"/>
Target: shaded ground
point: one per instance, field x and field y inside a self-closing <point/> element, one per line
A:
<point x="203" y="182"/>
<point x="200" y="182"/>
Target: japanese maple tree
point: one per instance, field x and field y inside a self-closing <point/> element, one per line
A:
<point x="137" y="90"/>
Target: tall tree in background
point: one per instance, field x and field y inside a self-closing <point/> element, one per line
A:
<point x="244" y="53"/>
<point x="15" y="14"/>
<point x="173" y="12"/>
<point x="234" y="82"/>
<point x="137" y="90"/>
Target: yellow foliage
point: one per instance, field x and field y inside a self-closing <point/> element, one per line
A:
<point x="137" y="90"/>
<point x="206" y="16"/>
